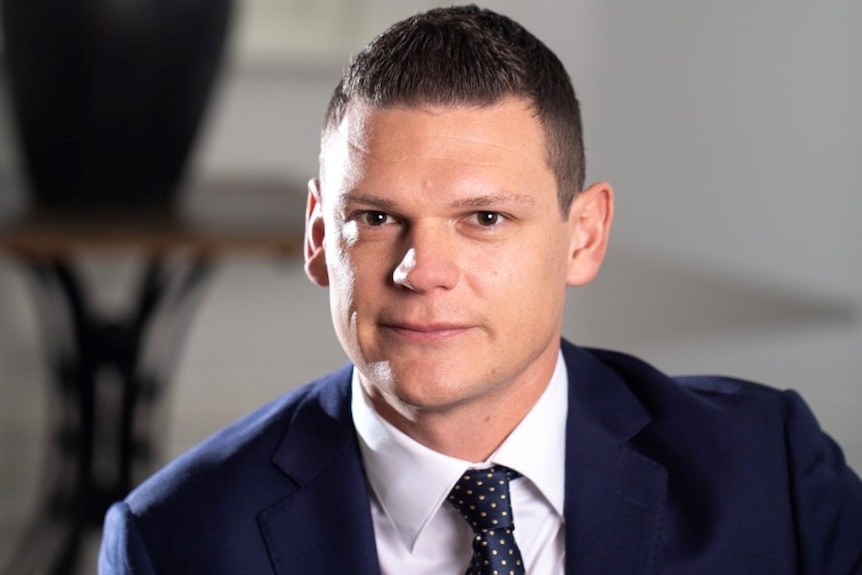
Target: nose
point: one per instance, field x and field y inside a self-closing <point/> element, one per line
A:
<point x="430" y="262"/>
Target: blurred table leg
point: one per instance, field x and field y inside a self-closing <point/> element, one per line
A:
<point x="108" y="379"/>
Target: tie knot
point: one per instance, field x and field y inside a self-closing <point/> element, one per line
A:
<point x="482" y="497"/>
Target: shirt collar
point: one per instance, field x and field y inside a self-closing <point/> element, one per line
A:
<point x="396" y="464"/>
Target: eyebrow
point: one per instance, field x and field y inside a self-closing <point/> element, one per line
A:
<point x="367" y="199"/>
<point x="486" y="200"/>
<point x="482" y="201"/>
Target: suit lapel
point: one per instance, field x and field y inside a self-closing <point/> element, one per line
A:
<point x="324" y="524"/>
<point x="615" y="496"/>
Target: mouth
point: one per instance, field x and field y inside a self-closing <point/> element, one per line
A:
<point x="425" y="332"/>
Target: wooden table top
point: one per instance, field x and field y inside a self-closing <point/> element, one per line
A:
<point x="229" y="217"/>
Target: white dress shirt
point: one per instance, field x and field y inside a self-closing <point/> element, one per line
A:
<point x="418" y="532"/>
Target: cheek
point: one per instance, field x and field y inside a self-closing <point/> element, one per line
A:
<point x="349" y="233"/>
<point x="342" y="277"/>
<point x="516" y="266"/>
<point x="532" y="277"/>
<point x="357" y="275"/>
<point x="339" y="262"/>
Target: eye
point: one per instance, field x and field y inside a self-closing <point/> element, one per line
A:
<point x="488" y="219"/>
<point x="374" y="218"/>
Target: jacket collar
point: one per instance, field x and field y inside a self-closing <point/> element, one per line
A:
<point x="319" y="454"/>
<point x="615" y="496"/>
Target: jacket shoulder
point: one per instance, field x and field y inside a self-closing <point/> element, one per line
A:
<point x="201" y="512"/>
<point x="748" y="454"/>
<point x="652" y="385"/>
<point x="241" y="449"/>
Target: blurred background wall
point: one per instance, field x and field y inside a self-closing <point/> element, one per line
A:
<point x="731" y="134"/>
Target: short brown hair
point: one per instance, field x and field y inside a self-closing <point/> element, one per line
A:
<point x="467" y="56"/>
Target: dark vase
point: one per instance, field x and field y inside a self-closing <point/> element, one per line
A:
<point x="108" y="95"/>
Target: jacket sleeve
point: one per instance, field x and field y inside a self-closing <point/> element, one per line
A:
<point x="123" y="551"/>
<point x="826" y="497"/>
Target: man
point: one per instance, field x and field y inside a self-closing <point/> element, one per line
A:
<point x="448" y="220"/>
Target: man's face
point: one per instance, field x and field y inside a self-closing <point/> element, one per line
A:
<point x="440" y="236"/>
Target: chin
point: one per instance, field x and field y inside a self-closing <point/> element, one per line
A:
<point x="433" y="391"/>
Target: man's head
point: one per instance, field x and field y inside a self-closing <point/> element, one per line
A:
<point x="438" y="227"/>
<point x="466" y="56"/>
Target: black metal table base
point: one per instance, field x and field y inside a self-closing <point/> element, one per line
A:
<point x="109" y="376"/>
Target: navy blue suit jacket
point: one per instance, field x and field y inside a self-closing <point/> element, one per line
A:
<point x="686" y="476"/>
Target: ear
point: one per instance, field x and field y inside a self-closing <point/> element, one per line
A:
<point x="315" y="255"/>
<point x="590" y="216"/>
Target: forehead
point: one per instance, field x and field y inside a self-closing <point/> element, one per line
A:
<point x="506" y="135"/>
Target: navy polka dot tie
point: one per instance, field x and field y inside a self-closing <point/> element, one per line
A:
<point x="482" y="497"/>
